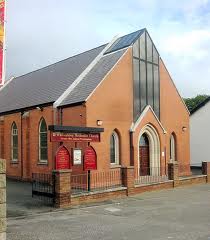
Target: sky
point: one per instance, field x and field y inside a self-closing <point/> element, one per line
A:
<point x="41" y="32"/>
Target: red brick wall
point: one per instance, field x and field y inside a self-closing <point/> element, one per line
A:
<point x="174" y="116"/>
<point x="13" y="169"/>
<point x="112" y="102"/>
<point x="30" y="141"/>
<point x="75" y="116"/>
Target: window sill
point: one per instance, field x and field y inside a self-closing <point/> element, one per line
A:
<point x="14" y="162"/>
<point x="115" y="166"/>
<point x="42" y="163"/>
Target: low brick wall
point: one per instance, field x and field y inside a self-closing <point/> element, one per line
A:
<point x="98" y="196"/>
<point x="2" y="199"/>
<point x="153" y="187"/>
<point x="65" y="199"/>
<point x="190" y="180"/>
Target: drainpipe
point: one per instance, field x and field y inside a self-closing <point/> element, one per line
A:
<point x="21" y="143"/>
<point x="131" y="150"/>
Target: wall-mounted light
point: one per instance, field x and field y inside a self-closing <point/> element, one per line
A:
<point x="184" y="129"/>
<point x="99" y="122"/>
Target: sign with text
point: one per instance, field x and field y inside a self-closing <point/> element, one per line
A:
<point x="62" y="159"/>
<point x="74" y="137"/>
<point x="90" y="159"/>
<point x="77" y="156"/>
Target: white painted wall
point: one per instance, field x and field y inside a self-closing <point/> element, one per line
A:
<point x="200" y="135"/>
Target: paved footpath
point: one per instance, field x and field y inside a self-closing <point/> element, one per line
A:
<point x="181" y="213"/>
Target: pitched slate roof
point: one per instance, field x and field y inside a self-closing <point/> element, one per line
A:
<point x="81" y="92"/>
<point x="203" y="103"/>
<point x="44" y="85"/>
<point x="66" y="82"/>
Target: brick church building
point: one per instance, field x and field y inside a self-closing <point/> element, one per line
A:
<point x="121" y="90"/>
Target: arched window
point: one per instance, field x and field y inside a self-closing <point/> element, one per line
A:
<point x="172" y="148"/>
<point x="14" y="142"/>
<point x="114" y="148"/>
<point x="43" y="141"/>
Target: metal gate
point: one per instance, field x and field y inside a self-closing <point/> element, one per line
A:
<point x="43" y="187"/>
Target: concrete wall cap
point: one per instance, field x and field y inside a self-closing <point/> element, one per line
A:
<point x="128" y="167"/>
<point x="62" y="171"/>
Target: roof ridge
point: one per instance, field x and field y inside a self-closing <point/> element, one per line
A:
<point x="36" y="70"/>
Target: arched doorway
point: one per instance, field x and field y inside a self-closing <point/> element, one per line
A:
<point x="144" y="155"/>
<point x="149" y="151"/>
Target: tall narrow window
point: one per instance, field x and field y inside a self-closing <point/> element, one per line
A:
<point x="14" y="143"/>
<point x="43" y="141"/>
<point x="114" y="148"/>
<point x="172" y="148"/>
<point x="146" y="81"/>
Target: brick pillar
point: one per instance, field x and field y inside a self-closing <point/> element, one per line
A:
<point x="62" y="188"/>
<point x="128" y="178"/>
<point x="206" y="170"/>
<point x="2" y="199"/>
<point x="173" y="171"/>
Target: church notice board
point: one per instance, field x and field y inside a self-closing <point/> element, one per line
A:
<point x="62" y="159"/>
<point x="90" y="159"/>
<point x="74" y="137"/>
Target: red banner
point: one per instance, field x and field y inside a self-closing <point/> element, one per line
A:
<point x="2" y="33"/>
<point x="90" y="159"/>
<point x="74" y="137"/>
<point x="62" y="159"/>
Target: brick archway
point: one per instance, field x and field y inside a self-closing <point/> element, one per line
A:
<point x="154" y="149"/>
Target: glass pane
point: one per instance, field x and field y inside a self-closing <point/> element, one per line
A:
<point x="150" y="84"/>
<point x="136" y="49"/>
<point x="43" y="139"/>
<point x="155" y="55"/>
<point x="14" y="126"/>
<point x="142" y="46"/>
<point x="136" y="91"/>
<point x="144" y="140"/>
<point x="15" y="153"/>
<point x="43" y="126"/>
<point x="156" y="91"/>
<point x="143" y="86"/>
<point x="15" y="141"/>
<point x="112" y="149"/>
<point x="43" y="154"/>
<point x="149" y="49"/>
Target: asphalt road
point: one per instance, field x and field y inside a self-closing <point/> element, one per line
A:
<point x="181" y="213"/>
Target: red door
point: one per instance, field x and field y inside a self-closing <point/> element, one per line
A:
<point x="144" y="156"/>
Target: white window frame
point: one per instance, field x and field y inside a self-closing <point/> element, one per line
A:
<point x="14" y="132"/>
<point x="43" y="161"/>
<point x="117" y="152"/>
<point x="172" y="148"/>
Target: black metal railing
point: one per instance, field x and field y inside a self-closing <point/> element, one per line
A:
<point x="96" y="181"/>
<point x="43" y="186"/>
<point x="149" y="175"/>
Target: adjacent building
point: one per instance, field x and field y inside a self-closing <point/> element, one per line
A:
<point x="199" y="135"/>
<point x="122" y="87"/>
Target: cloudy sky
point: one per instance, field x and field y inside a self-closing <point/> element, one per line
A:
<point x="42" y="32"/>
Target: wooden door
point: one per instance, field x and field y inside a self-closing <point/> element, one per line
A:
<point x="144" y="156"/>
